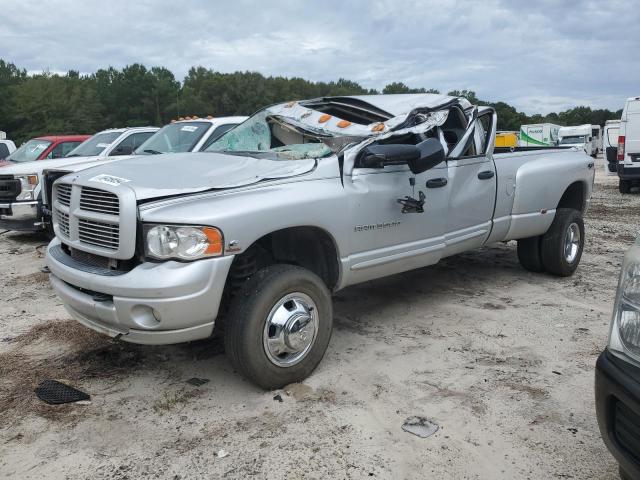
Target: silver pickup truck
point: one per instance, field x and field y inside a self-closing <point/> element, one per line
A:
<point x="301" y="200"/>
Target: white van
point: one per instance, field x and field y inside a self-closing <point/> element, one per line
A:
<point x="585" y="136"/>
<point x="610" y="146"/>
<point x="629" y="145"/>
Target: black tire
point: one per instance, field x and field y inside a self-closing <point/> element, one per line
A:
<point x="552" y="245"/>
<point x="529" y="254"/>
<point x="624" y="186"/>
<point x="247" y="318"/>
<point x="623" y="474"/>
<point x="48" y="229"/>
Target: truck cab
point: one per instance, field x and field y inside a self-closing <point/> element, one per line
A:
<point x="588" y="137"/>
<point x="629" y="146"/>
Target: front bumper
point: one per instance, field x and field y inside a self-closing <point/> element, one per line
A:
<point x="154" y="303"/>
<point x="618" y="410"/>
<point x="628" y="173"/>
<point x="21" y="216"/>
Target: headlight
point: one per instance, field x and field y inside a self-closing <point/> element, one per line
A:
<point x="182" y="242"/>
<point x="625" y="326"/>
<point x="29" y="184"/>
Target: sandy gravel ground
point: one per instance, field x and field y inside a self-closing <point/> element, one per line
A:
<point x="501" y="359"/>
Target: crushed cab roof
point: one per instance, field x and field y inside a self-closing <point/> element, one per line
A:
<point x="402" y="103"/>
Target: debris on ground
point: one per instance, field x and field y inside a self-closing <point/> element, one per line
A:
<point x="222" y="453"/>
<point x="278" y="398"/>
<point x="57" y="393"/>
<point x="420" y="426"/>
<point x="197" y="382"/>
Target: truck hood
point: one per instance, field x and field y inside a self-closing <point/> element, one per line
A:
<point x="94" y="162"/>
<point x="157" y="176"/>
<point x="37" y="166"/>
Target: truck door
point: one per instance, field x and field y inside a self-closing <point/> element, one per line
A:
<point x="383" y="240"/>
<point x="472" y="179"/>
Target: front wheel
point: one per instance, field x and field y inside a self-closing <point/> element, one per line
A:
<point x="279" y="326"/>
<point x="561" y="246"/>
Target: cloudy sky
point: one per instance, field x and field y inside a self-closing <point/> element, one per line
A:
<point x="539" y="56"/>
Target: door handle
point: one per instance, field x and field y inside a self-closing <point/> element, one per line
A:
<point x="436" y="182"/>
<point x="486" y="175"/>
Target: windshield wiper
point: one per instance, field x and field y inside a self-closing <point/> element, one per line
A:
<point x="73" y="155"/>
<point x="152" y="152"/>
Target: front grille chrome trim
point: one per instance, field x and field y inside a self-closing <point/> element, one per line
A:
<point x="101" y="221"/>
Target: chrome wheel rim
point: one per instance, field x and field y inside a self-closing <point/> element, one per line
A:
<point x="290" y="329"/>
<point x="572" y="243"/>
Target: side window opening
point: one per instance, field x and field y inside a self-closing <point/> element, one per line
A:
<point x="454" y="127"/>
<point x="62" y="149"/>
<point x="140" y="138"/>
<point x="482" y="132"/>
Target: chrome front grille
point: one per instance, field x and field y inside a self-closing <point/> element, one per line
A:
<point x="100" y="234"/>
<point x="101" y="201"/>
<point x="63" y="222"/>
<point x="99" y="221"/>
<point x="64" y="194"/>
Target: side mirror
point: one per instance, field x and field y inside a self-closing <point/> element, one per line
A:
<point x="419" y="158"/>
<point x="431" y="154"/>
<point x="123" y="150"/>
<point x="377" y="156"/>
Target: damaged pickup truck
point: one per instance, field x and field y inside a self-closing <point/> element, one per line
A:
<point x="301" y="200"/>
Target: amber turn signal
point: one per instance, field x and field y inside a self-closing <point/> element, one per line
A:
<point x="214" y="236"/>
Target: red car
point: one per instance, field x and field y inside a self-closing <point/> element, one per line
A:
<point x="40" y="148"/>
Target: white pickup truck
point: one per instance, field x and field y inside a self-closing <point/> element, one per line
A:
<point x="23" y="200"/>
<point x="303" y="199"/>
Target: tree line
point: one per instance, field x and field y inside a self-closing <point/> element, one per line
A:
<point x="50" y="103"/>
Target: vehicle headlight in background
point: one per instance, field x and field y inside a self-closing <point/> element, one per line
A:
<point x="182" y="242"/>
<point x="29" y="184"/>
<point x="625" y="326"/>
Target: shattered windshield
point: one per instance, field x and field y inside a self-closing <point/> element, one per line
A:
<point x="275" y="134"/>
